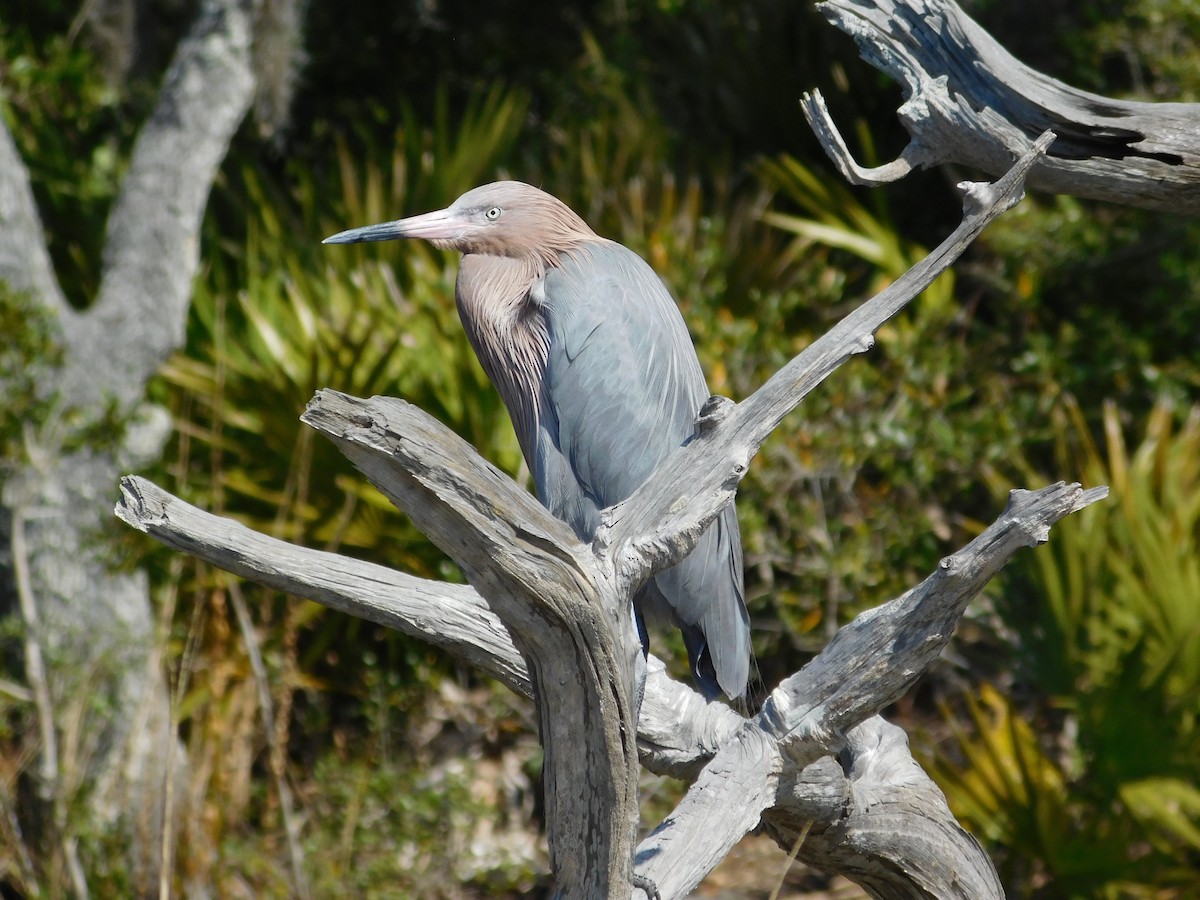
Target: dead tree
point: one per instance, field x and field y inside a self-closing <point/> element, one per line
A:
<point x="544" y="614"/>
<point x="968" y="101"/>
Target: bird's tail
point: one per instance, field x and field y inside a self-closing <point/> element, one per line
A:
<point x="704" y="596"/>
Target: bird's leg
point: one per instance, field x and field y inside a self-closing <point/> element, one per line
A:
<point x="639" y="643"/>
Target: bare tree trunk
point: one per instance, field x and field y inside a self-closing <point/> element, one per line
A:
<point x="93" y="625"/>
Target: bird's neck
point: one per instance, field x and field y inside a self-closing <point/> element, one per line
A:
<point x="507" y="332"/>
<point x="496" y="286"/>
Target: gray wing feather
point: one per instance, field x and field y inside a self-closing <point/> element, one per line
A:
<point x="622" y="390"/>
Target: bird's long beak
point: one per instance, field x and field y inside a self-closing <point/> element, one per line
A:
<point x="440" y="225"/>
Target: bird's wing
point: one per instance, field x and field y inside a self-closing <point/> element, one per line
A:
<point x="622" y="390"/>
<point x="623" y="384"/>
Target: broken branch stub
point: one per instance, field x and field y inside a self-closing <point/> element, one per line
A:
<point x="968" y="101"/>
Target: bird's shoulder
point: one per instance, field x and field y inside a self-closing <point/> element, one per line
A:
<point x="623" y="383"/>
<point x="602" y="284"/>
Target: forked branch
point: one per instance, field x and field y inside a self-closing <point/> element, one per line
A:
<point x="968" y="101"/>
<point x="772" y="763"/>
<point x="864" y="819"/>
<point x="564" y="606"/>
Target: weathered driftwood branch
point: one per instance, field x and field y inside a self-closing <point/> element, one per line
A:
<point x="565" y="605"/>
<point x="557" y="603"/>
<point x="660" y="523"/>
<point x="968" y="101"/>
<point x="451" y="616"/>
<point x="895" y="820"/>
<point x="870" y="663"/>
<point x="679" y="731"/>
<point x="874" y="816"/>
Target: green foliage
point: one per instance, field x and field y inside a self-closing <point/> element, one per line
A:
<point x="865" y="492"/>
<point x="73" y="131"/>
<point x="835" y="219"/>
<point x="29" y="353"/>
<point x="391" y="830"/>
<point x="427" y="164"/>
<point x="1096" y="795"/>
<point x="1098" y="300"/>
<point x="1155" y="46"/>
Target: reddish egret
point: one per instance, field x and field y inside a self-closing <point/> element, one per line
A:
<point x="595" y="365"/>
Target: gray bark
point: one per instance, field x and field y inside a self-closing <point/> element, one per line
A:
<point x="560" y="605"/>
<point x="94" y="625"/>
<point x="968" y="101"/>
<point x="818" y="757"/>
<point x="24" y="260"/>
<point x="883" y="823"/>
<point x="816" y="760"/>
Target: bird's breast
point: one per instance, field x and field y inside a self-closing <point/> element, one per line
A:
<point x="502" y="316"/>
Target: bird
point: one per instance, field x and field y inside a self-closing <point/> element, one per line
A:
<point x="594" y="363"/>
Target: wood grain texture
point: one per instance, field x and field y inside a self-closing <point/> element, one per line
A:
<point x="829" y="709"/>
<point x="451" y="616"/>
<point x="968" y="101"/>
<point x="874" y="815"/>
<point x="557" y="602"/>
<point x="817" y="757"/>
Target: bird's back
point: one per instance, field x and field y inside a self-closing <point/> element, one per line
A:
<point x="621" y="390"/>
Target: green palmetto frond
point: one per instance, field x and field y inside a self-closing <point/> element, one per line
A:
<point x="1106" y="625"/>
<point x="835" y="219"/>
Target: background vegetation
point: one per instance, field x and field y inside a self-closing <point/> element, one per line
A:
<point x="1064" y="726"/>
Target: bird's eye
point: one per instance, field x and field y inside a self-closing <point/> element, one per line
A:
<point x="494" y="213"/>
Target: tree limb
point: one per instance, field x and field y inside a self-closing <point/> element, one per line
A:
<point x="151" y="246"/>
<point x="968" y="101"/>
<point x="813" y="714"/>
<point x="893" y="825"/>
<point x="659" y="524"/>
<point x="896" y="837"/>
<point x="24" y="259"/>
<point x="678" y="730"/>
<point x="774" y="763"/>
<point x="783" y="765"/>
<point x="873" y="660"/>
<point x="559" y="604"/>
<point x="451" y="616"/>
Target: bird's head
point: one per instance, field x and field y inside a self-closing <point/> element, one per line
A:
<point x="505" y="218"/>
